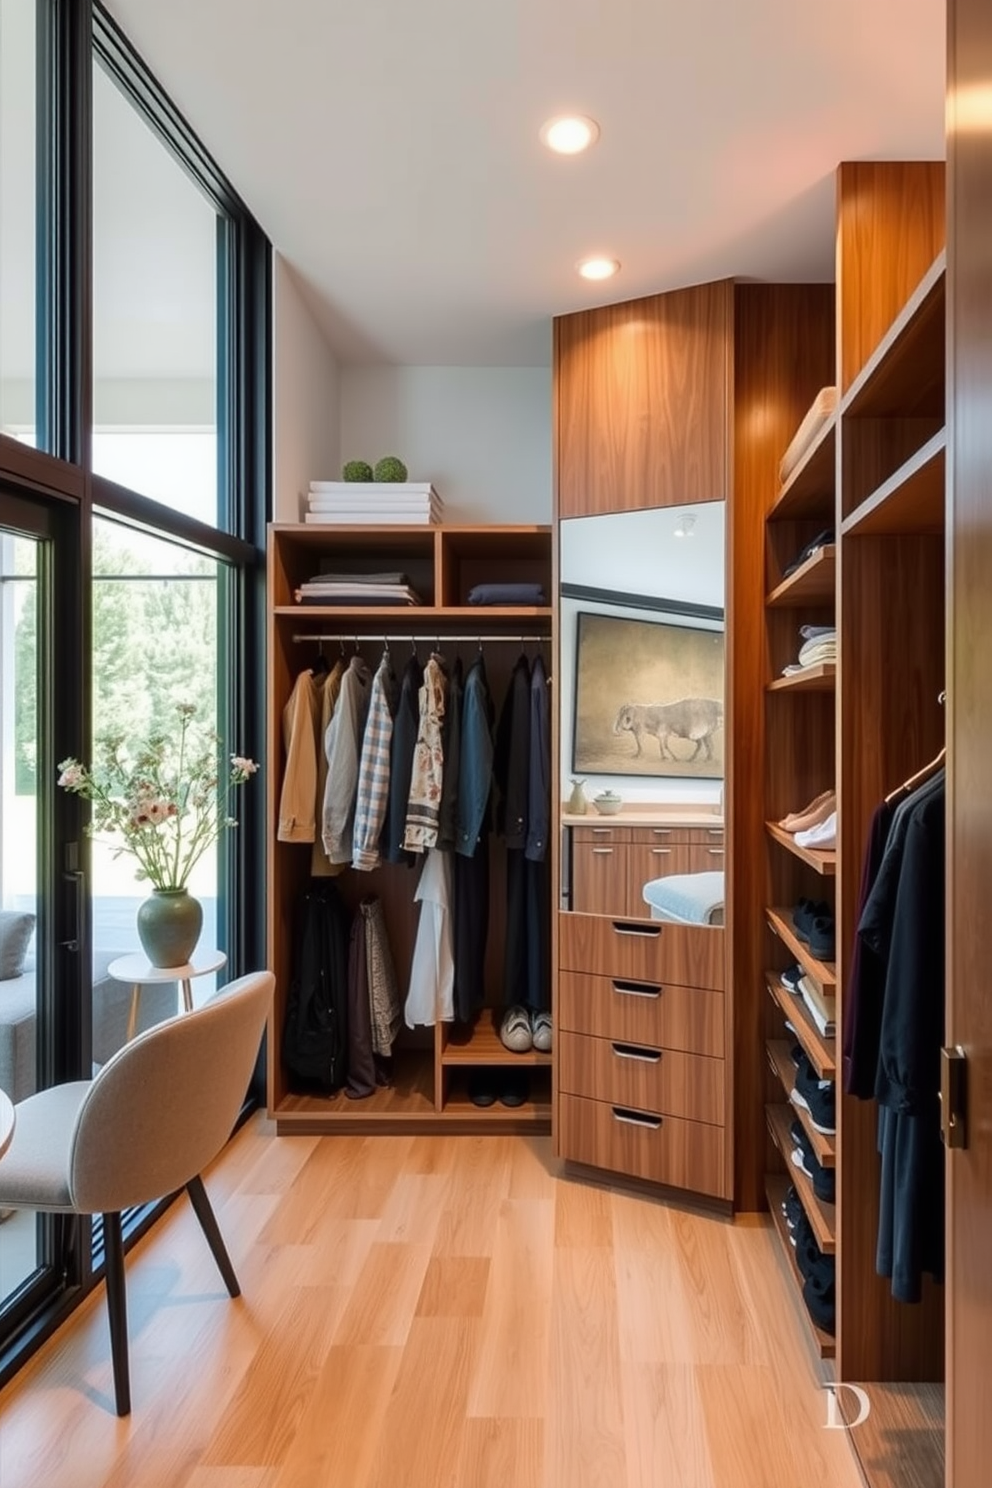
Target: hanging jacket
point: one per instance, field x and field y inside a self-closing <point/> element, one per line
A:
<point x="298" y="799"/>
<point x="384" y="997"/>
<point x="372" y="791"/>
<point x="343" y="743"/>
<point x="451" y="748"/>
<point x="432" y="973"/>
<point x="331" y="686"/>
<point x="539" y="772"/>
<point x="424" y="807"/>
<point x="403" y="744"/>
<point x="475" y="767"/>
<point x="511" y="762"/>
<point x="315" y="1035"/>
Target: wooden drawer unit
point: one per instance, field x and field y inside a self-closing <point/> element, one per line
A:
<point x="645" y="863"/>
<point x="707" y="859"/>
<point x="707" y="836"/>
<point x="599" y="877"/>
<point x="642" y="1076"/>
<point x="662" y="1149"/>
<point x="600" y="835"/>
<point x="666" y="1015"/>
<point x="644" y="951"/>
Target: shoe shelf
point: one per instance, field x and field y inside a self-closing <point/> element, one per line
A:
<point x="822" y="1216"/>
<point x="482" y="1045"/>
<point x="823" y="861"/>
<point x="819" y="1049"/>
<point x="776" y="1185"/>
<point x="780" y="1062"/>
<point x="809" y="490"/>
<point x="533" y="1113"/>
<point x="824" y="973"/>
<point x="910" y="502"/>
<point x="905" y="372"/>
<point x="820" y="678"/>
<point x="813" y="583"/>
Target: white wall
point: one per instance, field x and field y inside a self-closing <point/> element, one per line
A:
<point x="305" y="399"/>
<point x="481" y="434"/>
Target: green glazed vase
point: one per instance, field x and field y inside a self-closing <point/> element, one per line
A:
<point x="169" y="925"/>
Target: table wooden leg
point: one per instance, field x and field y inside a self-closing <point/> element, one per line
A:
<point x="187" y="995"/>
<point x="132" y="1017"/>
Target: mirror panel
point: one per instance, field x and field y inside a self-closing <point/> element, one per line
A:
<point x="642" y="686"/>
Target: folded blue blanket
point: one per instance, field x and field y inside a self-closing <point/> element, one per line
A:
<point x="692" y="898"/>
<point x="507" y="594"/>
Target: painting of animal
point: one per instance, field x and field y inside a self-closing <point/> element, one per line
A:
<point x="648" y="697"/>
<point x="694" y="719"/>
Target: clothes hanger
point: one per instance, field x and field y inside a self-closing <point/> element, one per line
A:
<point x="920" y="778"/>
<point x="320" y="667"/>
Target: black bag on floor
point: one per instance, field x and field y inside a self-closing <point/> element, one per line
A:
<point x="315" y="1038"/>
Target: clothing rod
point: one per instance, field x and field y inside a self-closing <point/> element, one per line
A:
<point x="435" y="636"/>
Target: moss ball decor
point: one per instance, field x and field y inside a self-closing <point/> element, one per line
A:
<point x="390" y="469"/>
<point x="357" y="470"/>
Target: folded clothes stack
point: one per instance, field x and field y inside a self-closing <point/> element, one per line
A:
<point x="354" y="590"/>
<point x="819" y="646"/>
<point x="359" y="503"/>
<point x="507" y="594"/>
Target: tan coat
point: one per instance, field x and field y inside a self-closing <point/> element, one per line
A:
<point x="300" y="724"/>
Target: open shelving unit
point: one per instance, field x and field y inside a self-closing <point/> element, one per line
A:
<point x="780" y="1062"/>
<point x="822" y="860"/>
<point x="819" y="1049"/>
<point x="821" y="1215"/>
<point x="428" y="1088"/>
<point x="812" y="583"/>
<point x="776" y="1186"/>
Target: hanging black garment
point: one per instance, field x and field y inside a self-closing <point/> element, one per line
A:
<point x="471" y="881"/>
<point x="315" y="1036"/>
<point x="451" y="748"/>
<point x="401" y="751"/>
<point x="866" y="984"/>
<point x="511" y="772"/>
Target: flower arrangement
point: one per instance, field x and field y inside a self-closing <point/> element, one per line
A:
<point x="166" y="806"/>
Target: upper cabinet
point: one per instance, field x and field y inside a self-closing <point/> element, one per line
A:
<point x="643" y="402"/>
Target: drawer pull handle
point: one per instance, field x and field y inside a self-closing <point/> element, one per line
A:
<point x="662" y="831"/>
<point x="602" y="831"/>
<point x="636" y="989"/>
<point x="715" y="852"/>
<point x="636" y="1118"/>
<point x="646" y="932"/>
<point x="603" y="852"/>
<point x="633" y="1051"/>
<point x="661" y="852"/>
<point x="715" y="831"/>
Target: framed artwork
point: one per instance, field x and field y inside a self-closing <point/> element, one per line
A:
<point x="648" y="698"/>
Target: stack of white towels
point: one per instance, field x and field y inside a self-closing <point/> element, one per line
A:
<point x="357" y="503"/>
<point x="819" y="645"/>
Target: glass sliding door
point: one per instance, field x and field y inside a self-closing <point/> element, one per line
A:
<point x="42" y="929"/>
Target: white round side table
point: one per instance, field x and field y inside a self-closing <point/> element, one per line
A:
<point x="7" y="1121"/>
<point x="139" y="971"/>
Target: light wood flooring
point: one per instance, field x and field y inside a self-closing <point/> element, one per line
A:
<point x="433" y="1312"/>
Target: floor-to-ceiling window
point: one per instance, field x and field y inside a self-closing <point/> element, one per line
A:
<point x="134" y="470"/>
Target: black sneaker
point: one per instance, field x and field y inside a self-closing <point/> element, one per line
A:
<point x="804" y="1158"/>
<point x="805" y="912"/>
<point x="818" y="1097"/>
<point x="792" y="1207"/>
<point x="821" y="937"/>
<point x="822" y="1307"/>
<point x="791" y="977"/>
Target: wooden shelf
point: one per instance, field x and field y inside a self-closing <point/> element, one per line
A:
<point x="904" y="376"/>
<point x="824" y="862"/>
<point x="912" y="501"/>
<point x="824" y="973"/>
<point x="533" y="1116"/>
<point x="419" y="618"/>
<point x="813" y="583"/>
<point x="822" y="1217"/>
<point x="780" y="1061"/>
<point x="486" y="1048"/>
<point x="775" y="1189"/>
<point x="809" y="491"/>
<point x="819" y="1049"/>
<point x="822" y="678"/>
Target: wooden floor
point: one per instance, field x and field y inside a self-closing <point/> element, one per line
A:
<point x="434" y="1312"/>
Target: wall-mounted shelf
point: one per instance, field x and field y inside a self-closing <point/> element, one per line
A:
<point x="819" y="1048"/>
<point x="822" y="1216"/>
<point x="904" y="376"/>
<point x="776" y="1185"/>
<point x="813" y="583"/>
<point x="824" y="973"/>
<point x="818" y="858"/>
<point x="822" y="678"/>
<point x="809" y="491"/>
<point x="780" y="1062"/>
<point x="911" y="501"/>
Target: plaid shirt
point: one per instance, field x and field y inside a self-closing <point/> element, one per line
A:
<point x="373" y="771"/>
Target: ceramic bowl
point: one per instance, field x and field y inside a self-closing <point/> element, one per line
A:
<point x="607" y="805"/>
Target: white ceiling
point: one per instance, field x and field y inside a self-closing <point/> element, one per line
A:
<point x="389" y="147"/>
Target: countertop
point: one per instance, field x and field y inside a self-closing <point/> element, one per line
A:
<point x="633" y="814"/>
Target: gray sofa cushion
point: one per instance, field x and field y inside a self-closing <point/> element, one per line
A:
<point x="16" y="930"/>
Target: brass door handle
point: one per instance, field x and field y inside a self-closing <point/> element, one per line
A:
<point x="954" y="1097"/>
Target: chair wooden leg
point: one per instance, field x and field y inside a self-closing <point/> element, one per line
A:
<point x="113" y="1249"/>
<point x="209" y="1226"/>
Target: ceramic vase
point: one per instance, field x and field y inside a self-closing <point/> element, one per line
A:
<point x="169" y="925"/>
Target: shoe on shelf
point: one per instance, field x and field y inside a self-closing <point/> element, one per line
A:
<point x="805" y="1159"/>
<point x="821" y="540"/>
<point x="805" y="912"/>
<point x="541" y="1029"/>
<point x="818" y="1097"/>
<point x="810" y="816"/>
<point x="482" y="1087"/>
<point x="792" y="1206"/>
<point x="822" y="1309"/>
<point x="791" y="977"/>
<point x="822" y="943"/>
<point x="823" y="835"/>
<point x="515" y="1031"/>
<point x="514" y="1087"/>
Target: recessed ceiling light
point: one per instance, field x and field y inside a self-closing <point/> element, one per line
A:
<point x="685" y="525"/>
<point x="569" y="134"/>
<point x="598" y="268"/>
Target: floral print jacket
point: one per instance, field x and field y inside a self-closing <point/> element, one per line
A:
<point x="423" y="809"/>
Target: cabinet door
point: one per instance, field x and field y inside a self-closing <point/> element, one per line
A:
<point x="645" y="863"/>
<point x="599" y="877"/>
<point x="704" y="859"/>
<point x="642" y="394"/>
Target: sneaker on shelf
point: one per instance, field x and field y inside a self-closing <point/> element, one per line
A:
<point x="822" y="1309"/>
<point x="515" y="1031"/>
<point x="821" y="938"/>
<point x="482" y="1087"/>
<point x="514" y="1087"/>
<point x="805" y="1159"/>
<point x="791" y="977"/>
<point x="818" y="1097"/>
<point x="805" y="912"/>
<point x="792" y="1207"/>
<point x="541" y="1029"/>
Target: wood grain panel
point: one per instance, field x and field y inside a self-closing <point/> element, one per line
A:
<point x="600" y="836"/>
<point x="682" y="1154"/>
<point x="642" y="951"/>
<point x="784" y="352"/>
<point x="890" y="228"/>
<point x="643" y="1076"/>
<point x="901" y="1443"/>
<point x="673" y="1017"/>
<point x="642" y="402"/>
<point x="969" y="709"/>
<point x="599" y="878"/>
<point x="646" y="862"/>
